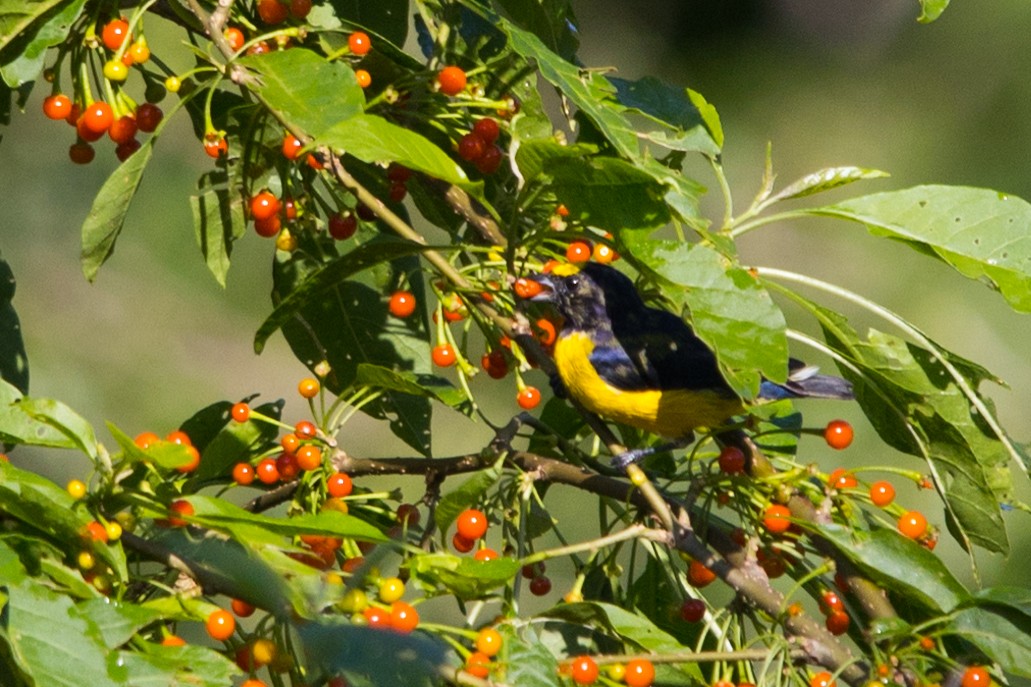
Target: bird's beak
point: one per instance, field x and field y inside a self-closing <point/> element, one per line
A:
<point x="547" y="288"/>
<point x="537" y="288"/>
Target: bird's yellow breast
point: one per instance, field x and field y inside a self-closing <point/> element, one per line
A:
<point x="671" y="413"/>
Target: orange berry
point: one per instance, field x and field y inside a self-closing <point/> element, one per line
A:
<point x="478" y="664"/>
<point x="452" y="80"/>
<point x="339" y="485"/>
<point x="403" y="617"/>
<point x="913" y="524"/>
<point x="822" y="679"/>
<point x="838" y="434"/>
<point x="359" y="43"/>
<point x="309" y="457"/>
<point x="402" y="304"/>
<point x="698" y="575"/>
<point x="488" y="641"/>
<point x="882" y="493"/>
<point x="578" y="251"/>
<point x="485" y="554"/>
<point x="443" y="355"/>
<point x="976" y="676"/>
<point x="527" y="288"/>
<point x="308" y="387"/>
<point x="584" y="670"/>
<point x="363" y="78"/>
<point x="220" y="625"/>
<point x="241" y="608"/>
<point x="639" y="673"/>
<point x="471" y="524"/>
<point x="146" y="439"/>
<point x="243" y="473"/>
<point x="777" y="518"/>
<point x="529" y="398"/>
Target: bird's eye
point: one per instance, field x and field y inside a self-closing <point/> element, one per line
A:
<point x="573" y="281"/>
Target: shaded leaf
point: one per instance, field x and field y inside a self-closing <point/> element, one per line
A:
<point x="670" y="106"/>
<point x="309" y="92"/>
<point x="979" y="232"/>
<point x="218" y="220"/>
<point x="107" y="216"/>
<point x="14" y="364"/>
<point x="116" y="621"/>
<point x="1003" y="634"/>
<point x="238" y="442"/>
<point x="899" y="565"/>
<point x="386" y="18"/>
<point x="465" y="496"/>
<point x="626" y="623"/>
<point x="730" y="309"/>
<point x="530" y="662"/>
<point x="27" y="29"/>
<point x="373" y="139"/>
<point x="335" y="646"/>
<point x="606" y="192"/>
<point x="428" y="386"/>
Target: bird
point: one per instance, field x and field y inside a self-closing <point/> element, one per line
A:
<point x="645" y="367"/>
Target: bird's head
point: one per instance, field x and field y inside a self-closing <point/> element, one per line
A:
<point x="587" y="295"/>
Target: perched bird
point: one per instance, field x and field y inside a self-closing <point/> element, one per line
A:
<point x="645" y="367"/>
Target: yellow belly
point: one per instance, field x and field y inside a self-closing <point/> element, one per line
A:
<point x="670" y="413"/>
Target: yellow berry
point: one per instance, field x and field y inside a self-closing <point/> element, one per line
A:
<point x="77" y="488"/>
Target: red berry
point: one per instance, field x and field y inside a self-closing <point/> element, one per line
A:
<point x="216" y="147"/>
<point x="732" y="460"/>
<point x="57" y="106"/>
<point x="461" y="544"/>
<point x="148" y="116"/>
<point x="402" y="304"/>
<point x="305" y="429"/>
<point x="489" y="162"/>
<point x="123" y="129"/>
<point x="837" y="622"/>
<point x="267" y="471"/>
<point x="291" y="146"/>
<point x="495" y="364"/>
<point x="528" y="398"/>
<point x="300" y="9"/>
<point x="486" y="129"/>
<point x="408" y="515"/>
<point x="114" y="33"/>
<point x="882" y="493"/>
<point x="443" y="355"/>
<point x="97" y="117"/>
<point x="698" y="575"/>
<point x="234" y="37"/>
<point x="777" y="518"/>
<point x="976" y="676"/>
<point x="397" y="192"/>
<point x="241" y="412"/>
<point x="287" y="467"/>
<point x="220" y="625"/>
<point x="692" y="610"/>
<point x="452" y="80"/>
<point x="339" y="485"/>
<point x="264" y="205"/>
<point x="471" y="524"/>
<point x="398" y="174"/>
<point x="913" y="524"/>
<point x="359" y="43"/>
<point x="540" y="585"/>
<point x="830" y="602"/>
<point x="179" y="507"/>
<point x="243" y="473"/>
<point x="81" y="153"/>
<point x="471" y="147"/>
<point x="842" y="479"/>
<point x="272" y="11"/>
<point x="838" y="434"/>
<point x="584" y="670"/>
<point x="578" y="251"/>
<point x="342" y="227"/>
<point x="403" y="617"/>
<point x="268" y="227"/>
<point x="241" y="608"/>
<point x="477" y="664"/>
<point x="639" y="673"/>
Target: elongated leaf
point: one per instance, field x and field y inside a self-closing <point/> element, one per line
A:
<point x="221" y="514"/>
<point x="730" y="309"/>
<point x="682" y="126"/>
<point x="14" y="365"/>
<point x="981" y="233"/>
<point x="166" y="454"/>
<point x="931" y="10"/>
<point x="899" y="565"/>
<point x="1003" y="634"/>
<point x="373" y="139"/>
<point x="918" y="408"/>
<point x="464" y="577"/>
<point x="826" y="179"/>
<point x="64" y="420"/>
<point x="27" y="29"/>
<point x="197" y="666"/>
<point x="18" y="427"/>
<point x="310" y="93"/>
<point x="107" y="216"/>
<point x="1015" y="598"/>
<point x="50" y="642"/>
<point x="429" y="386"/>
<point x="624" y="622"/>
<point x="589" y="91"/>
<point x="218" y="220"/>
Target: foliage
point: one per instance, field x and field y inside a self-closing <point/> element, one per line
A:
<point x="357" y="147"/>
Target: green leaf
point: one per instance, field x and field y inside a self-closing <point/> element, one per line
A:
<point x="27" y="29"/>
<point x="588" y="90"/>
<point x="900" y="565"/>
<point x="425" y="385"/>
<point x="218" y="221"/>
<point x="107" y="216"/>
<point x="682" y="125"/>
<point x="63" y="419"/>
<point x="529" y="661"/>
<point x="824" y="180"/>
<point x="553" y="22"/>
<point x="607" y="192"/>
<point x="1015" y="598"/>
<point x="319" y="281"/>
<point x="162" y="666"/>
<point x="220" y="514"/>
<point x="14" y="365"/>
<point x="730" y="309"/>
<point x="308" y="92"/>
<point x="165" y="454"/>
<point x="709" y="115"/>
<point x="629" y="625"/>
<point x="18" y="427"/>
<point x="386" y="18"/>
<point x="462" y="576"/>
<point x="373" y="139"/>
<point x="917" y="408"/>
<point x="334" y="646"/>
<point x="116" y="621"/>
<point x="1003" y="634"/>
<point x="238" y="442"/>
<point x="931" y="10"/>
<point x="50" y="642"/>
<point x="978" y="232"/>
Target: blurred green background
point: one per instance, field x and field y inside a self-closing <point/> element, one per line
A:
<point x="827" y="83"/>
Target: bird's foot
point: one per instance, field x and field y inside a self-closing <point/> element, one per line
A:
<point x="626" y="458"/>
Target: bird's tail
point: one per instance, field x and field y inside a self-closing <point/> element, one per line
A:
<point x="804" y="381"/>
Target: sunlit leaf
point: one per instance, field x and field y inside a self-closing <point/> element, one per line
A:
<point x="682" y="124"/>
<point x="463" y="576"/>
<point x="931" y="10"/>
<point x="824" y="180"/>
